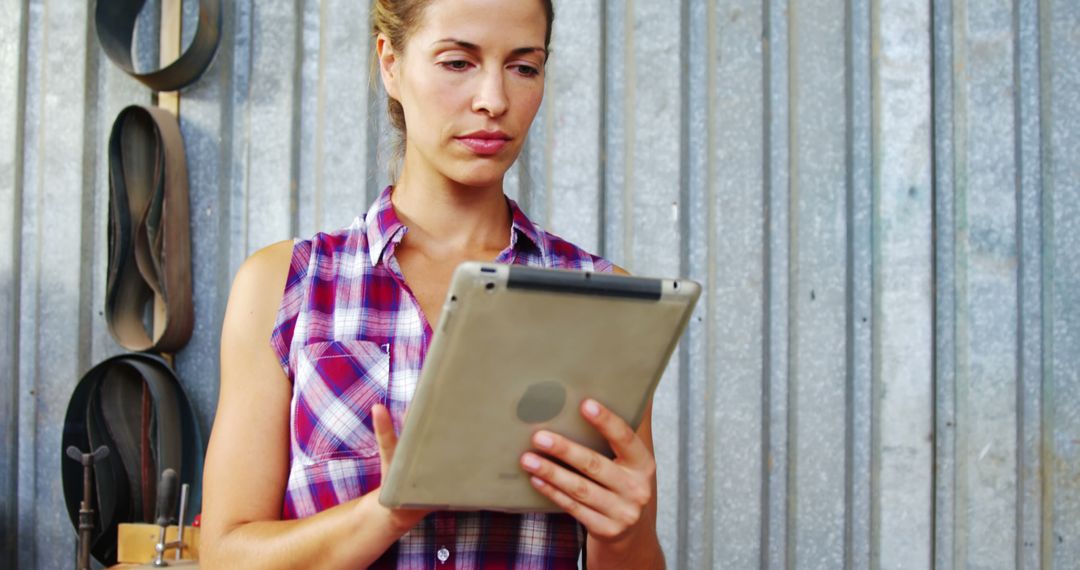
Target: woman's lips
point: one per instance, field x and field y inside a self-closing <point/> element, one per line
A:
<point x="484" y="144"/>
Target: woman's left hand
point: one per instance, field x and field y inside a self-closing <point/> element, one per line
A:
<point x="609" y="496"/>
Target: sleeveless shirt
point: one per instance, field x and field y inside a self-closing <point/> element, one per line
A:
<point x="350" y="334"/>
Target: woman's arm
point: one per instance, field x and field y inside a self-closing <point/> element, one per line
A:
<point x="247" y="461"/>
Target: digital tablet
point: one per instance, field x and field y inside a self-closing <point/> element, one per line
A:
<point x="516" y="350"/>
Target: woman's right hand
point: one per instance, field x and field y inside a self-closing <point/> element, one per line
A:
<point x="402" y="520"/>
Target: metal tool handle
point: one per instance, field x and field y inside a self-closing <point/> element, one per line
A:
<point x="166" y="502"/>
<point x="183" y="516"/>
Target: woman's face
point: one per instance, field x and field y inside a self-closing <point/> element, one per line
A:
<point x="470" y="81"/>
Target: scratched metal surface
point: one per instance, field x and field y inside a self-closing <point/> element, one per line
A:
<point x="879" y="198"/>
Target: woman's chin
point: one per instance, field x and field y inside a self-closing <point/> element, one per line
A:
<point x="480" y="176"/>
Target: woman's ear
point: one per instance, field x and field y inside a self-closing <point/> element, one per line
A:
<point x="388" y="65"/>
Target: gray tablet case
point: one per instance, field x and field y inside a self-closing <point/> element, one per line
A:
<point x="517" y="349"/>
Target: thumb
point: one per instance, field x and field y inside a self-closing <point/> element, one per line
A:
<point x="384" y="435"/>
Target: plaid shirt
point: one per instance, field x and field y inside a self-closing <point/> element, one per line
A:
<point x="350" y="334"/>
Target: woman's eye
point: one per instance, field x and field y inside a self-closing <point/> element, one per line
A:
<point x="456" y="65"/>
<point x="527" y="70"/>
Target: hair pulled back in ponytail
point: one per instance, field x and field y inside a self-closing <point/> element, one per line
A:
<point x="398" y="20"/>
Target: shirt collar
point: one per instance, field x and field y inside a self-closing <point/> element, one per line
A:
<point x="521" y="225"/>
<point x="384" y="228"/>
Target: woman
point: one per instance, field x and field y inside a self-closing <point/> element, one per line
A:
<point x="293" y="466"/>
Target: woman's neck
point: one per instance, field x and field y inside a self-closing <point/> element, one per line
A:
<point x="449" y="219"/>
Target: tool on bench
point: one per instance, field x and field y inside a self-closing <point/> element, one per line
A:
<point x="133" y="404"/>
<point x="166" y="504"/>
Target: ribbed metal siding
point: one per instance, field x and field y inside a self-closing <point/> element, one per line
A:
<point x="880" y="199"/>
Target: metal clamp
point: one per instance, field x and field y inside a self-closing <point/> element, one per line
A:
<point x="86" y="512"/>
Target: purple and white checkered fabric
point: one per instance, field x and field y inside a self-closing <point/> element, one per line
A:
<point x="350" y="334"/>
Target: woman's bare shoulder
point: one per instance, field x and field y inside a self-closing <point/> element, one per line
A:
<point x="269" y="262"/>
<point x="258" y="287"/>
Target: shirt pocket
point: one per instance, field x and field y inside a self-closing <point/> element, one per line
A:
<point x="318" y="485"/>
<point x="336" y="384"/>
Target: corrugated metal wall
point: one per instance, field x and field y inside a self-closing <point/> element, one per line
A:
<point x="879" y="196"/>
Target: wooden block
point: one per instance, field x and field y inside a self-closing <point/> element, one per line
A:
<point x="185" y="564"/>
<point x="135" y="542"/>
<point x="172" y="18"/>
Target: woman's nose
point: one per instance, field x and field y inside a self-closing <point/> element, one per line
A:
<point x="491" y="95"/>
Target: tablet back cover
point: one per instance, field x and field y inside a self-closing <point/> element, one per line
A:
<point x="513" y="355"/>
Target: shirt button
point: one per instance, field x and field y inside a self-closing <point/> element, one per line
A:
<point x="443" y="555"/>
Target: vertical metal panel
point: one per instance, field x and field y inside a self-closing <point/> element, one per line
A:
<point x="864" y="23"/>
<point x="776" y="393"/>
<point x="734" y="274"/>
<point x="618" y="99"/>
<point x="986" y="286"/>
<point x="571" y="142"/>
<point x="945" y="287"/>
<point x="27" y="326"/>
<point x="1030" y="350"/>
<point x="238" y="147"/>
<point x="776" y="151"/>
<point x="12" y="56"/>
<point x="51" y="267"/>
<point x="270" y="109"/>
<point x="817" y="370"/>
<point x="697" y="525"/>
<point x="1061" y="430"/>
<point x="334" y="100"/>
<point x="903" y="302"/>
<point x="210" y="119"/>
<point x="648" y="236"/>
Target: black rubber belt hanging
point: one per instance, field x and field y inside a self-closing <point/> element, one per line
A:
<point x="114" y="21"/>
<point x="104" y="410"/>
<point x="149" y="261"/>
